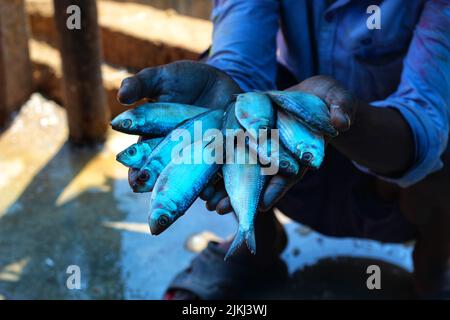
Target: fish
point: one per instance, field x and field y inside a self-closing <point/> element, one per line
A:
<point x="307" y="146"/>
<point x="244" y="184"/>
<point x="154" y="119"/>
<point x="135" y="155"/>
<point x="173" y="195"/>
<point x="254" y="112"/>
<point x="286" y="163"/>
<point x="307" y="108"/>
<point x="162" y="154"/>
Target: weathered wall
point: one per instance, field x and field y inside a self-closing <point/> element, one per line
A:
<point x="194" y="8"/>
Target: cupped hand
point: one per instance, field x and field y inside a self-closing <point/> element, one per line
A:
<point x="187" y="82"/>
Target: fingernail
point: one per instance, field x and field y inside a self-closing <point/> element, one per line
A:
<point x="347" y="121"/>
<point x="340" y="120"/>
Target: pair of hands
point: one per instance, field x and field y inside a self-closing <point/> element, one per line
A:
<point x="203" y="85"/>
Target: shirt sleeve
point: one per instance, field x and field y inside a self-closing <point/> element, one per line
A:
<point x="244" y="41"/>
<point x="423" y="95"/>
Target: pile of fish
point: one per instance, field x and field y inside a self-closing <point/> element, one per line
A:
<point x="302" y="121"/>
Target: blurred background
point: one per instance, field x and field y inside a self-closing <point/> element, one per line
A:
<point x="64" y="200"/>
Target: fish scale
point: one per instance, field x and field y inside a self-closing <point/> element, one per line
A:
<point x="161" y="155"/>
<point x="154" y="119"/>
<point x="310" y="110"/>
<point x="172" y="196"/>
<point x="300" y="141"/>
<point x="254" y="111"/>
<point x="244" y="184"/>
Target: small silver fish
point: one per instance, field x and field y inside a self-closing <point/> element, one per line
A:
<point x="307" y="108"/>
<point x="135" y="155"/>
<point x="244" y="184"/>
<point x="177" y="187"/>
<point x="287" y="164"/>
<point x="254" y="111"/>
<point x="307" y="146"/>
<point x="162" y="154"/>
<point x="154" y="119"/>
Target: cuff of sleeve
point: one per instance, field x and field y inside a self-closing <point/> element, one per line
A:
<point x="428" y="144"/>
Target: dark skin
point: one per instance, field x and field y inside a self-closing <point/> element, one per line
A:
<point x="376" y="138"/>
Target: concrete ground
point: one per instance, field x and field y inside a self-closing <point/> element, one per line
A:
<point x="61" y="206"/>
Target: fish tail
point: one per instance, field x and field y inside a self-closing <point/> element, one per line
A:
<point x="239" y="239"/>
<point x="250" y="240"/>
<point x="247" y="236"/>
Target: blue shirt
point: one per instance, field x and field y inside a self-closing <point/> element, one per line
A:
<point x="404" y="65"/>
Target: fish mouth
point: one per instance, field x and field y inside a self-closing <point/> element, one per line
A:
<point x="160" y="224"/>
<point x="140" y="188"/>
<point x="120" y="157"/>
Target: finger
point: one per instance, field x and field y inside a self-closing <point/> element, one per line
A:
<point x="341" y="104"/>
<point x="340" y="101"/>
<point x="208" y="192"/>
<point x="275" y="190"/>
<point x="339" y="119"/>
<point x="145" y="84"/>
<point x="224" y="206"/>
<point x="129" y="91"/>
<point x="216" y="183"/>
<point x="218" y="196"/>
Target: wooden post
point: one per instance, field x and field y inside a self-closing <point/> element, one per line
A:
<point x="3" y="105"/>
<point x="85" y="99"/>
<point x="15" y="65"/>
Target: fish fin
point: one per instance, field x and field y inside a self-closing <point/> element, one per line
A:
<point x="239" y="239"/>
<point x="242" y="236"/>
<point x="250" y="240"/>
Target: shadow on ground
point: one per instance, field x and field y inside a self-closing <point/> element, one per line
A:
<point x="42" y="239"/>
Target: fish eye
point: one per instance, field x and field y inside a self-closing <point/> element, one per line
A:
<point x="144" y="176"/>
<point x="284" y="164"/>
<point x="307" y="157"/>
<point x="127" y="123"/>
<point x="132" y="151"/>
<point x="163" y="220"/>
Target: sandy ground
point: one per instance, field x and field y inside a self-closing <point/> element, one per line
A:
<point x="61" y="206"/>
